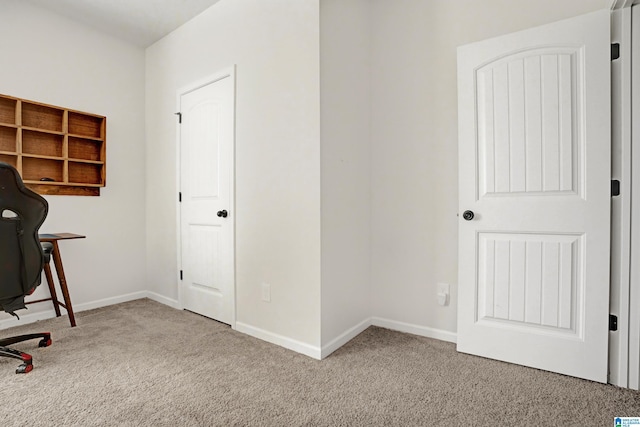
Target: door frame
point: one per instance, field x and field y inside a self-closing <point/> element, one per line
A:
<point x="624" y="347"/>
<point x="634" y="286"/>
<point x="228" y="72"/>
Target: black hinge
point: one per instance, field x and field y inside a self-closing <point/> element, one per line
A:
<point x="613" y="322"/>
<point x="179" y="117"/>
<point x="180" y="196"/>
<point x="180" y="274"/>
<point x="615" y="187"/>
<point x="615" y="51"/>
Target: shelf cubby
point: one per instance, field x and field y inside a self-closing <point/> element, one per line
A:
<point x="7" y="158"/>
<point x="85" y="173"/>
<point x="42" y="117"/>
<point x="86" y="125"/>
<point x="86" y="149"/>
<point x="8" y="110"/>
<point x="8" y="140"/>
<point x="37" y="169"/>
<point x="41" y="143"/>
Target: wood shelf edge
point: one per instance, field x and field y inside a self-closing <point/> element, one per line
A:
<point x="63" y="189"/>
<point x="68" y="184"/>
<point x="42" y="130"/>
<point x="86" y="161"/>
<point x="57" y="158"/>
<point x="90" y="138"/>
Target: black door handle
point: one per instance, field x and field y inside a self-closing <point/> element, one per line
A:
<point x="223" y="213"/>
<point x="468" y="215"/>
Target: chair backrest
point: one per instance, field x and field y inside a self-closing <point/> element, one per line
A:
<point x="22" y="212"/>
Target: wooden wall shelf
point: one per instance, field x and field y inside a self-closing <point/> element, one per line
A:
<point x="56" y="150"/>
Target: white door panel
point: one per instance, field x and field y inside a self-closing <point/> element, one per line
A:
<point x="534" y="159"/>
<point x="527" y="109"/>
<point x="206" y="163"/>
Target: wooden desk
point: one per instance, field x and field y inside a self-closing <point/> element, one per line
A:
<point x="57" y="261"/>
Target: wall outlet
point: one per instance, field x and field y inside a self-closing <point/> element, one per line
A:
<point x="443" y="294"/>
<point x="266" y="292"/>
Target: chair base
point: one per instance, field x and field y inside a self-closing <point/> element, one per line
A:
<point x="27" y="365"/>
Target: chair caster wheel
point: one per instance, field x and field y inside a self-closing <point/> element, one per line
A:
<point x="44" y="343"/>
<point x="24" y="368"/>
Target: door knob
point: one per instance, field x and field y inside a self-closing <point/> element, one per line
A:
<point x="468" y="215"/>
<point x="223" y="213"/>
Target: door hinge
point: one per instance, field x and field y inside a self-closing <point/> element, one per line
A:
<point x="179" y="117"/>
<point x="615" y="187"/>
<point x="613" y="322"/>
<point x="180" y="274"/>
<point x="615" y="51"/>
<point x="180" y="196"/>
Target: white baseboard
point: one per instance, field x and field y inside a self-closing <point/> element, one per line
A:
<point x="344" y="338"/>
<point x="410" y="328"/>
<point x="26" y="317"/>
<point x="108" y="301"/>
<point x="286" y="342"/>
<point x="173" y="303"/>
<point x="336" y="343"/>
<point x="282" y="341"/>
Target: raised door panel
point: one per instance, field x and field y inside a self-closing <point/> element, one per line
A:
<point x="529" y="107"/>
<point x="531" y="281"/>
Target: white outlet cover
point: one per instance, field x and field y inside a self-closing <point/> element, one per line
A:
<point x="443" y="294"/>
<point x="266" y="292"/>
<point x="443" y="288"/>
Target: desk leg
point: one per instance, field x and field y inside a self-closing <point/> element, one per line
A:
<point x="57" y="261"/>
<point x="52" y="289"/>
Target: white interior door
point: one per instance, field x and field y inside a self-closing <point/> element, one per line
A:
<point x="206" y="210"/>
<point x="534" y="159"/>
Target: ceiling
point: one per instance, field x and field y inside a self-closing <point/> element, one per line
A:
<point x="141" y="22"/>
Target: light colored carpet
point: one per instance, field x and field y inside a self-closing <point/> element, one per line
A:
<point x="144" y="364"/>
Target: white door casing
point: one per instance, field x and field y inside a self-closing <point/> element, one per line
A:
<point x="534" y="159"/>
<point x="206" y="145"/>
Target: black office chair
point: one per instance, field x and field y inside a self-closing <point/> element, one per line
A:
<point x="22" y="257"/>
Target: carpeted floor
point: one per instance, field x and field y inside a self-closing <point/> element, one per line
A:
<point x="144" y="364"/>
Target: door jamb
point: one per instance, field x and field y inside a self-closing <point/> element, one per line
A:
<point x="620" y="205"/>
<point x="634" y="285"/>
<point x="624" y="347"/>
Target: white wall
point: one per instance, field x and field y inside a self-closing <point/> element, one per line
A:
<point x="53" y="60"/>
<point x="275" y="46"/>
<point x="346" y="167"/>
<point x="414" y="142"/>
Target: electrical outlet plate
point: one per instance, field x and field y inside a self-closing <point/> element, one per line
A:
<point x="443" y="288"/>
<point x="443" y="294"/>
<point x="266" y="292"/>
